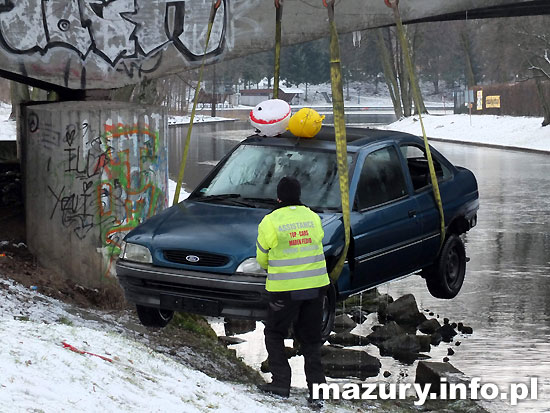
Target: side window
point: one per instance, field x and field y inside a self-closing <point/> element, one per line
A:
<point x="381" y="179"/>
<point x="417" y="162"/>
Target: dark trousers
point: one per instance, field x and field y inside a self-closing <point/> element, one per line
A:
<point x="307" y="317"/>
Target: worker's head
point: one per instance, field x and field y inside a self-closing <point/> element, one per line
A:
<point x="289" y="190"/>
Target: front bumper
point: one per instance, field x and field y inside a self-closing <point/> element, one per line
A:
<point x="234" y="296"/>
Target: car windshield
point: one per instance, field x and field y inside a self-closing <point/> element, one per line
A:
<point x="252" y="173"/>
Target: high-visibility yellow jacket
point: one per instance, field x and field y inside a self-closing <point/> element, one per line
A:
<point x="290" y="247"/>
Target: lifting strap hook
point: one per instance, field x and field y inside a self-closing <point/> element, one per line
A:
<point x="391" y="3"/>
<point x="278" y="3"/>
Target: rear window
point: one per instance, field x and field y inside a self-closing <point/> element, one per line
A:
<point x="417" y="162"/>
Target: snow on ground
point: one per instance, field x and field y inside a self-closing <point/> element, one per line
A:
<point x="504" y="131"/>
<point x="38" y="373"/>
<point x="184" y="120"/>
<point x="7" y="127"/>
<point x="172" y="192"/>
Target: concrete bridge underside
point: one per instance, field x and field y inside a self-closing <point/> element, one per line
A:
<point x="85" y="44"/>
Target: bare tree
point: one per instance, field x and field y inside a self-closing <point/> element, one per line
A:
<point x="534" y="44"/>
<point x="389" y="72"/>
<point x="396" y="73"/>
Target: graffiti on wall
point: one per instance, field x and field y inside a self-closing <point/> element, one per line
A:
<point x="105" y="182"/>
<point x="128" y="192"/>
<point x="114" y="30"/>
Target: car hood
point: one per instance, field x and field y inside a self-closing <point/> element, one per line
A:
<point x="195" y="227"/>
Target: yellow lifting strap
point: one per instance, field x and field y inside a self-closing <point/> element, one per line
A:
<point x="340" y="134"/>
<point x="213" y="10"/>
<point x="393" y="4"/>
<point x="277" y="60"/>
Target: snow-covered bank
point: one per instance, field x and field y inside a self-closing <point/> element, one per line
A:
<point x="7" y="127"/>
<point x="37" y="373"/>
<point x="501" y="131"/>
<point x="172" y="192"/>
<point x="184" y="120"/>
<point x="58" y="358"/>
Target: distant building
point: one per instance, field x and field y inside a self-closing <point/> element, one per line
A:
<point x="251" y="97"/>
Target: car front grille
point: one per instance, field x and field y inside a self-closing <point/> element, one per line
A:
<point x="188" y="258"/>
<point x="196" y="291"/>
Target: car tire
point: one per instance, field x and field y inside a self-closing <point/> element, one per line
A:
<point x="154" y="317"/>
<point x="329" y="309"/>
<point x="445" y="277"/>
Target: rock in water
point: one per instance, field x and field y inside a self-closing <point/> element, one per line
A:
<point x="347" y="339"/>
<point x="404" y="311"/>
<point x="341" y="363"/>
<point x="387" y="331"/>
<point x="343" y="323"/>
<point x="429" y="326"/>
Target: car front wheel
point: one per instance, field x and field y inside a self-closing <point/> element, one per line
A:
<point x="445" y="277"/>
<point x="154" y="317"/>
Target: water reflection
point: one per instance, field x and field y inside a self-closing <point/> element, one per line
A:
<point x="209" y="143"/>
<point x="506" y="295"/>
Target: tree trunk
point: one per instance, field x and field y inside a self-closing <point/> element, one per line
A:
<point x="544" y="103"/>
<point x="214" y="100"/>
<point x="465" y="41"/>
<point x="404" y="82"/>
<point x="436" y="85"/>
<point x="19" y="94"/>
<point x="389" y="74"/>
<point x="416" y="84"/>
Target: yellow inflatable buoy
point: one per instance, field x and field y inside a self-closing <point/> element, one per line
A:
<point x="305" y="123"/>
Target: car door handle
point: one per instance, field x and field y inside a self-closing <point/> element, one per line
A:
<point x="412" y="213"/>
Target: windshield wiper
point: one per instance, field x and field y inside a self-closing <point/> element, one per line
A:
<point x="226" y="197"/>
<point x="217" y="197"/>
<point x="325" y="209"/>
<point x="270" y="201"/>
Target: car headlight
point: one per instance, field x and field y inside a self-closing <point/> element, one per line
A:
<point x="135" y="252"/>
<point x="251" y="266"/>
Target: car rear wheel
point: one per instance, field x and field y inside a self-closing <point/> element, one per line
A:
<point x="329" y="308"/>
<point x="154" y="317"/>
<point x="444" y="279"/>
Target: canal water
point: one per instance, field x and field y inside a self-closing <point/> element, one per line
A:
<point x="506" y="293"/>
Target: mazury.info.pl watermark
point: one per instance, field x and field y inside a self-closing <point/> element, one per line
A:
<point x="474" y="389"/>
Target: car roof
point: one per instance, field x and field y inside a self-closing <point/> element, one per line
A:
<point x="356" y="138"/>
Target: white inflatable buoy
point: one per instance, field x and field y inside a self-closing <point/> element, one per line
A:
<point x="270" y="117"/>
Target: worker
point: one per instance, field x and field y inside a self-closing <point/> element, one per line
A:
<point x="290" y="247"/>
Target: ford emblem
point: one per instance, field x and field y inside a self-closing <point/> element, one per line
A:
<point x="192" y="258"/>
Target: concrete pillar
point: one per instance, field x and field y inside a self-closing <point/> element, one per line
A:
<point x="92" y="172"/>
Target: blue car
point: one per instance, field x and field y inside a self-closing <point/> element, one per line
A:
<point x="199" y="256"/>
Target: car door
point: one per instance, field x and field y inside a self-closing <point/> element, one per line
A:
<point x="427" y="212"/>
<point x="385" y="228"/>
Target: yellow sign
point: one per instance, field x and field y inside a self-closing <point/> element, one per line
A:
<point x="492" y="102"/>
<point x="479" y="100"/>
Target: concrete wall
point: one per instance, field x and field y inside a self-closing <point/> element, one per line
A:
<point x="93" y="171"/>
